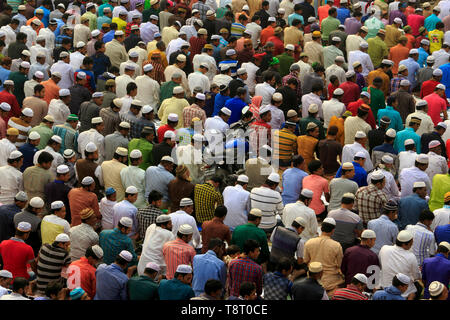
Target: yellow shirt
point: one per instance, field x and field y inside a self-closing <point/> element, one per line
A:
<point x="121" y="24"/>
<point x="307" y="147"/>
<point x="51" y="226"/>
<point x="172" y="105"/>
<point x="436" y="38"/>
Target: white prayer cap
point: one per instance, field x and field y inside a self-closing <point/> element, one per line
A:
<point x="409" y="142"/>
<point x="36" y="202"/>
<point x="330" y="221"/>
<point x="425" y="42"/>
<point x="215" y="37"/>
<point x="437" y="9"/>
<point x="315" y="267"/>
<point x="124" y="125"/>
<point x="90" y="147"/>
<point x="348" y="166"/>
<point x="126" y="255"/>
<point x="153" y="266"/>
<point x="126" y="222"/>
<point x="431" y="59"/>
<point x="387" y="61"/>
<point x="172" y="116"/>
<point x="163" y="218"/>
<point x="442" y="125"/>
<point x="300" y="221"/>
<point x="64" y="92"/>
<point x="135" y="154"/>
<point x="209" y="13"/>
<point x="15" y="155"/>
<point x="185" y="229"/>
<point x="81" y="75"/>
<point x="154" y="17"/>
<point x="80" y="44"/>
<point x="311" y="19"/>
<point x="62" y="169"/>
<point x="22" y="196"/>
<point x="56" y="138"/>
<point x="146" y="109"/>
<point x="348" y="195"/>
<point x="148" y="67"/>
<point x="391" y="133"/>
<point x="36" y="22"/>
<point x="413" y="51"/>
<point x="398" y="20"/>
<point x="122" y="151"/>
<point x="277" y="97"/>
<point x="68" y="153"/>
<point x="130" y="66"/>
<point x="230" y="52"/>
<point x="256" y="212"/>
<point x="62" y="237"/>
<point x="181" y="57"/>
<point x="123" y="12"/>
<point x="8" y="83"/>
<point x="274" y="177"/>
<point x="361" y="277"/>
<point x="224" y="67"/>
<point x="365" y="94"/>
<point x="404" y="83"/>
<point x="437" y="72"/>
<point x="387" y="159"/>
<point x="436" y="288"/>
<point x="419" y="184"/>
<point x="26" y="64"/>
<point x="404" y="236"/>
<point x="184" y="268"/>
<point x="200" y="96"/>
<point x="6" y="274"/>
<point x="313" y="108"/>
<point x="95" y="32"/>
<point x="403" y="278"/>
<point x="168" y="158"/>
<point x="5" y="106"/>
<point x="131" y="190"/>
<point x="242" y="178"/>
<point x="27" y="112"/>
<point x="169" y="134"/>
<point x="97" y="94"/>
<point x="350" y="73"/>
<point x="263" y="110"/>
<point x="198" y="137"/>
<point x="56" y="74"/>
<point x="440" y="86"/>
<point x="368" y="234"/>
<point x="186" y="202"/>
<point x="341" y="26"/>
<point x="338" y="92"/>
<point x="339" y="59"/>
<point x="90" y="4"/>
<point x="178" y="90"/>
<point x="336" y="39"/>
<point x="195" y="11"/>
<point x="26" y="53"/>
<point x="241" y="71"/>
<point x="443" y="243"/>
<point x="182" y="32"/>
<point x="271" y="19"/>
<point x="24" y="226"/>
<point x="290" y="47"/>
<point x="226" y="111"/>
<point x="39" y="74"/>
<point x="96" y="120"/>
<point x="87" y="181"/>
<point x="98" y="251"/>
<point x="434" y="144"/>
<point x="134" y="54"/>
<point x="307" y="193"/>
<point x="422" y="158"/>
<point x="245" y="7"/>
<point x="56" y="205"/>
<point x="118" y="33"/>
<point x="360" y="134"/>
<point x="377" y="175"/>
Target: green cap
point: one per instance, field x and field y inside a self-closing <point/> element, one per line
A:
<point x="72" y="117"/>
<point x="274" y="61"/>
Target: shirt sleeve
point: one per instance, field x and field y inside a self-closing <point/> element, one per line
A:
<point x="300" y="248"/>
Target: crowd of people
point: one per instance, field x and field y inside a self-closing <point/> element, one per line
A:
<point x="229" y="149"/>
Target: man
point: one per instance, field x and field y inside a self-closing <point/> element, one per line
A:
<point x="117" y="139"/>
<point x="110" y="171"/>
<point x="54" y="223"/>
<point x="83" y="235"/>
<point x="12" y="181"/>
<point x="115" y="49"/>
<point x="409" y="176"/>
<point x="437" y="163"/>
<point x="22" y="124"/>
<point x="436" y="268"/>
<point x="36" y="104"/>
<point x="310" y="288"/>
<point x="36" y="177"/>
<point x="390" y="266"/>
<point x="370" y="199"/>
<point x="158" y="177"/>
<point x="385" y="229"/>
<point x="437" y="104"/>
<point x="343" y="183"/>
<point x="178" y="251"/>
<point x="237" y="201"/>
<point x="66" y="131"/>
<point x="7" y="145"/>
<point x="354" y="290"/>
<point x="82" y="198"/>
<point x="19" y="288"/>
<point x="400" y="283"/>
<point x="206" y="197"/>
<point x="144" y="287"/>
<point x="356" y="128"/>
<point x="178" y="287"/>
<point x="7" y="213"/>
<point x="111" y="281"/>
<point x="332" y="51"/>
<point x="357" y="148"/>
<point x="424" y="245"/>
<point x="125" y="208"/>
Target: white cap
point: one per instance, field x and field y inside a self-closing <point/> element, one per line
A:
<point x="24" y="226"/>
<point x="80" y="44"/>
<point x="210" y="13"/>
<point x="361" y="277"/>
<point x="360" y="134"/>
<point x="124" y="125"/>
<point x="330" y="221"/>
<point x="230" y="52"/>
<point x="148" y="67"/>
<point x="153" y="266"/>
<point x="404" y="83"/>
<point x="425" y="42"/>
<point x="6" y="274"/>
<point x="98" y="251"/>
<point x="122" y="151"/>
<point x="338" y="92"/>
<point x="64" y="92"/>
<point x="274" y="177"/>
<point x="90" y="147"/>
<point x="15" y="155"/>
<point x="126" y="222"/>
<point x="419" y="184"/>
<point x="226" y="111"/>
<point x="200" y="96"/>
<point x="404" y="236"/>
<point x="241" y="71"/>
<point x="442" y="125"/>
<point x="146" y="109"/>
<point x="437" y="72"/>
<point x="56" y="138"/>
<point x="95" y="32"/>
<point x="408" y="142"/>
<point x="422" y="158"/>
<point x="163" y="218"/>
<point x="186" y="202"/>
<point x="368" y="234"/>
<point x="27" y="112"/>
<point x="398" y="20"/>
<point x="403" y="278"/>
<point x="136" y="154"/>
<point x="131" y="190"/>
<point x="307" y="193"/>
<point x="184" y="268"/>
<point x="242" y="178"/>
<point x="391" y="133"/>
<point x="119" y="33"/>
<point x="36" y="202"/>
<point x="34" y="135"/>
<point x="271" y="19"/>
<point x="413" y="51"/>
<point x="245" y="7"/>
<point x="39" y="74"/>
<point x="126" y="255"/>
<point x="81" y="75"/>
<point x="97" y="94"/>
<point x="387" y="159"/>
<point x="377" y="175"/>
<point x="350" y="73"/>
<point x="440" y="86"/>
<point x="339" y="59"/>
<point x="26" y="64"/>
<point x="134" y="54"/>
<point x="290" y="47"/>
<point x="56" y="205"/>
<point x="185" y="229"/>
<point x="5" y="106"/>
<point x="130" y="66"/>
<point x="169" y="134"/>
<point x="256" y="212"/>
<point x="172" y="117"/>
<point x="96" y="120"/>
<point x="62" y="169"/>
<point x="336" y="39"/>
<point x="8" y="82"/>
<point x="301" y="221"/>
<point x="313" y="108"/>
<point x="442" y="243"/>
<point x="277" y="97"/>
<point x="62" y="237"/>
<point x="168" y="158"/>
<point x="436" y="288"/>
<point x="178" y="90"/>
<point x="87" y="181"/>
<point x="433" y="144"/>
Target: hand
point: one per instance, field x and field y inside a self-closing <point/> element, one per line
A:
<point x="131" y="270"/>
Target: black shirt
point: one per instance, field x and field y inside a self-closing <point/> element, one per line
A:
<point x="264" y="17"/>
<point x="160" y="150"/>
<point x="79" y="95"/>
<point x="289" y="99"/>
<point x="428" y="137"/>
<point x="376" y="138"/>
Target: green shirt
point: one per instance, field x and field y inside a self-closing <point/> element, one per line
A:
<point x="376" y="100"/>
<point x="167" y="90"/>
<point x="285" y="63"/>
<point x="377" y="50"/>
<point x="142" y="288"/>
<point x="248" y="231"/>
<point x="146" y="148"/>
<point x="304" y="123"/>
<point x="441" y="185"/>
<point x="45" y="132"/>
<point x="329" y="24"/>
<point x="174" y="289"/>
<point x="19" y="81"/>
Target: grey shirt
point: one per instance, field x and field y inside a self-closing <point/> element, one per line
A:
<point x="112" y="142"/>
<point x="338" y="187"/>
<point x="346" y="224"/>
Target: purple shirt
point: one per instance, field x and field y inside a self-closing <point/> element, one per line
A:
<point x="356" y="260"/>
<point x="397" y="14"/>
<point x="360" y="81"/>
<point x="352" y="25"/>
<point x="435" y="269"/>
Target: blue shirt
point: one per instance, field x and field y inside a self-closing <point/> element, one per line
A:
<point x="446" y="77"/>
<point x="292" y="184"/>
<point x="430" y="22"/>
<point x="295" y="16"/>
<point x="360" y="174"/>
<point x="389" y="293"/>
<point x="101" y="20"/>
<point x="207" y="266"/>
<point x="91" y="77"/>
<point x="28" y="151"/>
<point x="235" y="105"/>
<point x="111" y="283"/>
<point x="423" y="55"/>
<point x="46" y="16"/>
<point x="22" y="20"/>
<point x="413" y="67"/>
<point x="174" y="290"/>
<point x="394" y="115"/>
<point x="402" y="136"/>
<point x="386" y="148"/>
<point x="4" y="74"/>
<point x="386" y="232"/>
<point x="442" y="233"/>
<point x="436" y="268"/>
<point x="157" y="178"/>
<point x="219" y="103"/>
<point x="107" y="37"/>
<point x="342" y="14"/>
<point x="409" y="209"/>
<point x="113" y="242"/>
<point x="101" y="64"/>
<point x="58" y="27"/>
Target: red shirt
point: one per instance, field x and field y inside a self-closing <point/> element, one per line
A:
<point x="323" y="12"/>
<point x="278" y="44"/>
<point x="197" y="45"/>
<point x="351" y="92"/>
<point x="331" y="89"/>
<point x="82" y="274"/>
<point x="266" y="33"/>
<point x="214" y="228"/>
<point x="436" y="104"/>
<point x="428" y="87"/>
<point x="9" y="98"/>
<point x="162" y="130"/>
<point x="409" y="11"/>
<point x="353" y="108"/>
<point x="415" y="21"/>
<point x="349" y="293"/>
<point x="16" y="255"/>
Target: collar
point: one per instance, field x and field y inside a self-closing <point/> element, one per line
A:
<point x="115" y="266"/>
<point x="211" y="252"/>
<point x="446" y="206"/>
<point x="16" y="239"/>
<point x="58" y="181"/>
<point x="421" y="225"/>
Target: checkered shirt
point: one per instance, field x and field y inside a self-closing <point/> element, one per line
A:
<point x="191" y="112"/>
<point x="147" y="216"/>
<point x="206" y="198"/>
<point x="369" y="201"/>
<point x="244" y="269"/>
<point x="395" y="84"/>
<point x="276" y="286"/>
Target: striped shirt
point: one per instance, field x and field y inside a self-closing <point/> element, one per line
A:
<point x="233" y="65"/>
<point x="50" y="263"/>
<point x="349" y="293"/>
<point x="177" y="252"/>
<point x="285" y="144"/>
<point x="424" y="244"/>
<point x="23" y="128"/>
<point x="269" y="202"/>
<point x="237" y="29"/>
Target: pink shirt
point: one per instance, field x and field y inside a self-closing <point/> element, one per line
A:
<point x="317" y="185"/>
<point x="436" y="104"/>
<point x="2" y="128"/>
<point x="415" y="21"/>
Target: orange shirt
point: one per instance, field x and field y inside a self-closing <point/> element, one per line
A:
<point x="306" y="146"/>
<point x="163" y="57"/>
<point x="323" y="12"/>
<point x="385" y="87"/>
<point x="411" y="41"/>
<point x="51" y="90"/>
<point x="239" y="13"/>
<point x="40" y="27"/>
<point x="398" y="53"/>
<point x="339" y="123"/>
<point x="82" y="274"/>
<point x="80" y="199"/>
<point x="266" y="33"/>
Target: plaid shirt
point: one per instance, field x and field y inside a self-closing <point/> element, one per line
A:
<point x="111" y="120"/>
<point x="191" y="112"/>
<point x="177" y="252"/>
<point x="158" y="74"/>
<point x="395" y="83"/>
<point x="369" y="201"/>
<point x="206" y="197"/>
<point x="146" y="217"/>
<point x="128" y="28"/>
<point x="244" y="269"/>
<point x="260" y="130"/>
<point x="276" y="286"/>
<point x="197" y="45"/>
<point x="293" y="75"/>
<point x="134" y="123"/>
<point x="203" y="8"/>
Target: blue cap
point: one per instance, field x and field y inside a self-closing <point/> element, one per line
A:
<point x="76" y="293"/>
<point x="110" y="191"/>
<point x="156" y="35"/>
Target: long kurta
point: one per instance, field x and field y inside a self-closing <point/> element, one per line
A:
<point x="35" y="178"/>
<point x="135" y="176"/>
<point x="111" y="177"/>
<point x="173" y="105"/>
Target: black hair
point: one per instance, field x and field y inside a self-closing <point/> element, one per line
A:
<point x="297" y="6"/>
<point x="121" y="261"/>
<point x="285" y="264"/>
<point x="442" y="249"/>
<point x="87" y="60"/>
<point x="297" y="160"/>
<point x="390" y="100"/>
<point x="45" y="157"/>
<point x="331" y="11"/>
<point x="233" y="249"/>
<point x="292" y="81"/>
<point x="327" y="227"/>
<point x="396" y="282"/>
<point x="53" y="288"/>
<point x="265" y="3"/>
<point x="90" y="253"/>
<point x="19" y="283"/>
<point x="154" y="195"/>
<point x="213" y="285"/>
<point x="375" y="181"/>
<point x="346" y="200"/>
<point x="426" y="215"/>
<point x="361" y="113"/>
<point x="21" y="36"/>
<point x="220" y="211"/>
<point x="333" y="130"/>
<point x="316" y="87"/>
<point x="246" y="288"/>
<point x="250" y="245"/>
<point x="215" y="242"/>
<point x="98" y="45"/>
<point x="314" y="165"/>
<point x="216" y="179"/>
<point x="131" y="86"/>
<point x="268" y="76"/>
<point x="439" y="25"/>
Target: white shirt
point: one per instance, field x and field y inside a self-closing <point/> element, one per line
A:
<point x="135" y="176"/>
<point x="126" y="104"/>
<point x="13" y="296"/>
<point x="148" y="91"/>
<point x="181" y="217"/>
<point x="349" y="151"/>
<point x="390" y="188"/>
<point x="305" y="68"/>
<point x="76" y="60"/>
<point x="424" y="244"/>
<point x="28" y="87"/>
<point x="352" y="43"/>
<point x="190" y="32"/>
<point x="393" y="260"/>
<point x="142" y="54"/>
<point x="298" y="209"/>
<point x="173" y="46"/>
<point x="125" y="208"/>
<point x="217" y="123"/>
<point x="309" y="99"/>
<point x="337" y="71"/>
<point x="426" y="125"/>
<point x="251" y="75"/>
<point x="59" y="111"/>
<point x="106" y="210"/>
<point x="57" y="158"/>
<point x="6" y="147"/>
<point x="446" y="36"/>
<point x="445" y="9"/>
<point x="256" y="32"/>
<point x="441" y="217"/>
<point x="441" y="57"/>
<point x="198" y="79"/>
<point x="67" y="74"/>
<point x="410" y="175"/>
<point x="49" y="38"/>
<point x="437" y="164"/>
<point x="11" y="182"/>
<point x="205" y="58"/>
<point x="331" y="108"/>
<point x="362" y="57"/>
<point x="132" y="13"/>
<point x="148" y="31"/>
<point x="237" y="201"/>
<point x="121" y="85"/>
<point x="155" y="238"/>
<point x="266" y="91"/>
<point x="10" y="34"/>
<point x="117" y="10"/>
<point x="269" y="202"/>
<point x="137" y="70"/>
<point x="406" y="159"/>
<point x="31" y="35"/>
<point x="94" y="136"/>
